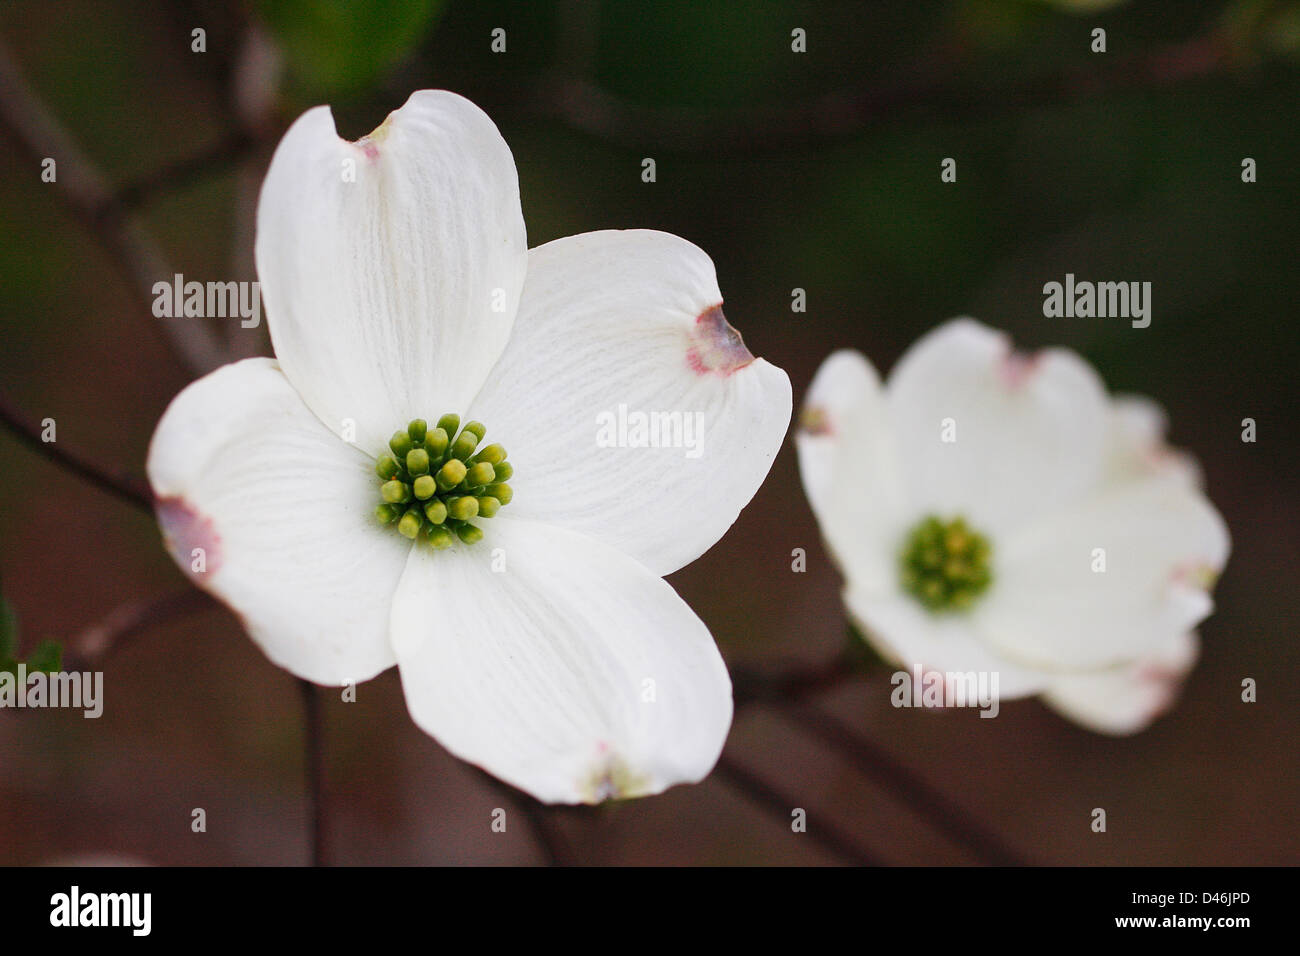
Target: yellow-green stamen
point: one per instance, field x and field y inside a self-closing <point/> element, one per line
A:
<point x="432" y="483"/>
<point x="945" y="565"/>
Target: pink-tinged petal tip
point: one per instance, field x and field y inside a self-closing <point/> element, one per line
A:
<point x="190" y="536"/>
<point x="716" y="346"/>
<point x="1017" y="368"/>
<point x="815" y="420"/>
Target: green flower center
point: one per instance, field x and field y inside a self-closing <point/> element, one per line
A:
<point x="945" y="564"/>
<point x="435" y="481"/>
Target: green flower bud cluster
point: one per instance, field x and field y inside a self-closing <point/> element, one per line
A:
<point x="435" y="480"/>
<point x="945" y="564"/>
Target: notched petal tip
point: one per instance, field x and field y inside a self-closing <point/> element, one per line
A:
<point x="368" y="146"/>
<point x="190" y="537"/>
<point x="612" y="779"/>
<point x="1017" y="368"/>
<point x="716" y="347"/>
<point x="370" y="143"/>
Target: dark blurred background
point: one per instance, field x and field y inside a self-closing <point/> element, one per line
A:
<point x="815" y="170"/>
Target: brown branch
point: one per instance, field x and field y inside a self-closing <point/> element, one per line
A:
<point x="124" y="486"/>
<point x="788" y="693"/>
<point x="752" y="685"/>
<point x="936" y="87"/>
<point x="93" y="645"/>
<point x="84" y="190"/>
<point x="212" y="160"/>
<point x="825" y="834"/>
<point x="551" y="840"/>
<point x="314" y="754"/>
<point x="552" y="843"/>
<point x="916" y="793"/>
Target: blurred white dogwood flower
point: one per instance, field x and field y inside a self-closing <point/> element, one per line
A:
<point x="993" y="512"/>
<point x="334" y="500"/>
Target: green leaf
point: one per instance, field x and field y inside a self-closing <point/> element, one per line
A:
<point x="334" y="48"/>
<point x="47" y="656"/>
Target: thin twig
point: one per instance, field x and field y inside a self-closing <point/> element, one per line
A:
<point x="917" y="794"/>
<point x="255" y="81"/>
<point x="211" y="160"/>
<point x="127" y="487"/>
<point x="314" y="750"/>
<point x="551" y="841"/>
<point x="41" y="136"/>
<point x="936" y="87"/>
<point x="94" y="645"/>
<point x="753" y="685"/>
<point x="787" y="692"/>
<point x="824" y="833"/>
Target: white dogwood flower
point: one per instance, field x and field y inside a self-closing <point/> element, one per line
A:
<point x="993" y="512"/>
<point x="333" y="498"/>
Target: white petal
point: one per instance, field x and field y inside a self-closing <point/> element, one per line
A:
<point x="614" y="326"/>
<point x="1164" y="546"/>
<point x="1138" y="447"/>
<point x="558" y="664"/>
<point x="1126" y="699"/>
<point x="283" y="510"/>
<point x="907" y="634"/>
<point x="1031" y="432"/>
<point x="391" y="267"/>
<point x="850" y="470"/>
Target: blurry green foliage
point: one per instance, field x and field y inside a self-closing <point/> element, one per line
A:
<point x="341" y="48"/>
<point x="1263" y="27"/>
<point x="691" y="54"/>
<point x="46" y="656"/>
